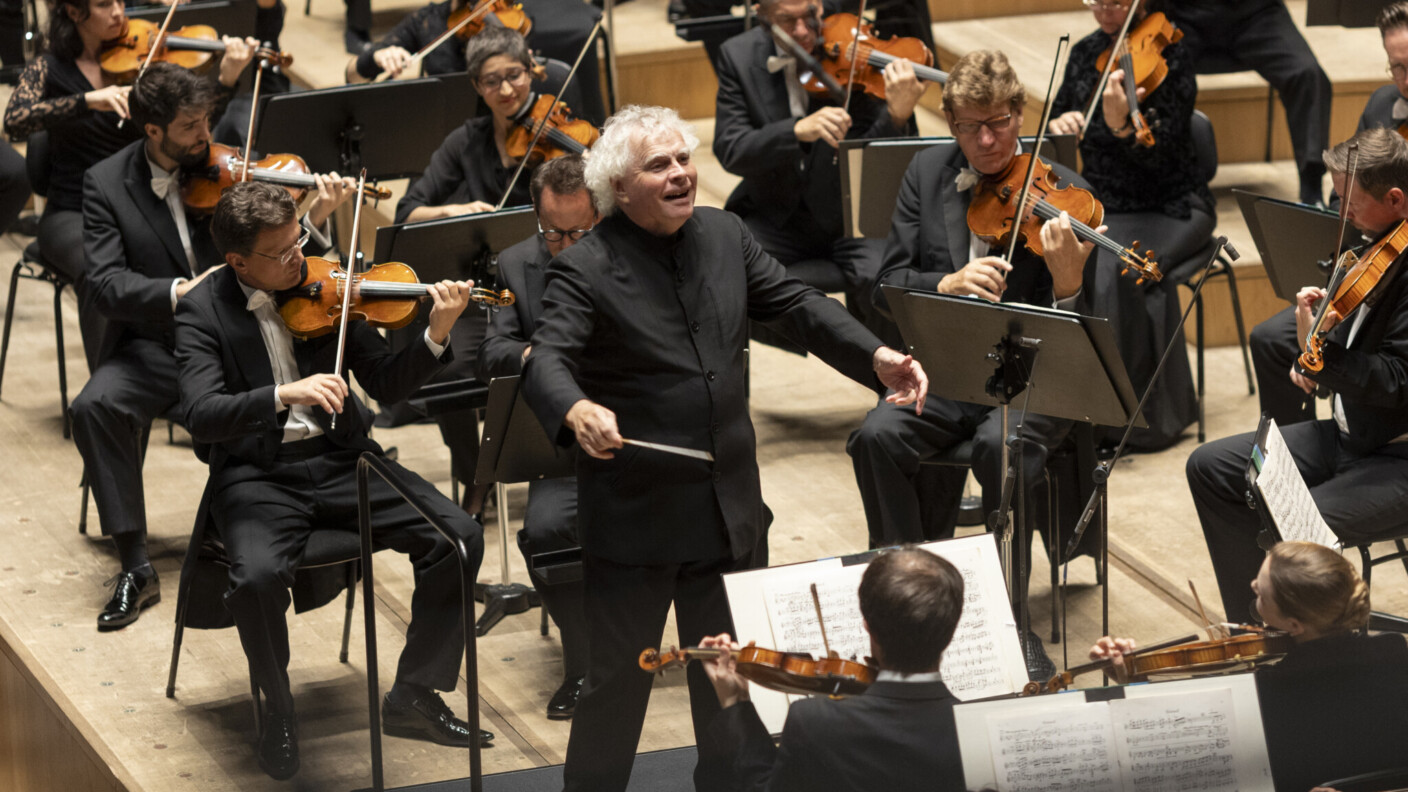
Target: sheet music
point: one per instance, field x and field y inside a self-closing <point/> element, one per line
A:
<point x="1065" y="750"/>
<point x="792" y="614"/>
<point x="1177" y="743"/>
<point x="1287" y="498"/>
<point x="973" y="665"/>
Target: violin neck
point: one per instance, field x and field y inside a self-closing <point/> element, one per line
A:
<point x="1046" y="211"/>
<point x="555" y="136"/>
<point x="281" y="178"/>
<point x="381" y="289"/>
<point x="201" y="45"/>
<point x="1131" y="88"/>
<point x="880" y="60"/>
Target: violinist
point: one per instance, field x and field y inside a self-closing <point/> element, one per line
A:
<point x="144" y="255"/>
<point x="1355" y="462"/>
<point x="1337" y="704"/>
<point x="783" y="142"/>
<point x="64" y="92"/>
<point x="259" y="403"/>
<point x="983" y="103"/>
<point x="1150" y="194"/>
<point x="898" y="735"/>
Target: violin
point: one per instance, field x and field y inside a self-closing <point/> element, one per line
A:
<point x="511" y="16"/>
<point x="991" y="213"/>
<point x="1358" y="285"/>
<point x="786" y="672"/>
<point x="386" y="295"/>
<point x="193" y="47"/>
<point x="1140" y="57"/>
<point x="202" y="186"/>
<point x="1185" y="657"/>
<point x="563" y="134"/>
<point x="846" y="38"/>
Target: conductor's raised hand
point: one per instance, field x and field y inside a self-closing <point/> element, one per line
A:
<point x="320" y="390"/>
<point x="595" y="427"/>
<point x="722" y="671"/>
<point x="903" y="376"/>
<point x="450" y="298"/>
<point x="984" y="277"/>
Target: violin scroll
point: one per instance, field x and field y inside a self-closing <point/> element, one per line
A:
<point x="494" y="300"/>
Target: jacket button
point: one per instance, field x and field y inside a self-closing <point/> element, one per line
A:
<point x="718" y="476"/>
<point x="693" y="327"/>
<point x="709" y="375"/>
<point x="714" y="428"/>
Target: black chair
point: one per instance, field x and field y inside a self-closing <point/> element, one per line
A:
<point x="1377" y="620"/>
<point x="1186" y="272"/>
<point x="32" y="266"/>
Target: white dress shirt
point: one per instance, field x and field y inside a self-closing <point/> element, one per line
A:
<point x="178" y="213"/>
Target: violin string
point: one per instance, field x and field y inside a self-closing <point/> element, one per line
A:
<point x="1035" y="156"/>
<point x="1046" y="211"/>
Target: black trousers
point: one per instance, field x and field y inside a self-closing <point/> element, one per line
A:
<point x="1359" y="496"/>
<point x="265" y="518"/>
<point x="1260" y="35"/>
<point x="1274" y="350"/>
<point x="626" y="606"/>
<point x="112" y="416"/>
<point x="551" y="524"/>
<point x="61" y="245"/>
<point x="460" y="428"/>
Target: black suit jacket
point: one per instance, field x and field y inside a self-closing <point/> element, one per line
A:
<point x="134" y="250"/>
<point x="929" y="235"/>
<point x="523" y="271"/>
<point x="1371" y="374"/>
<point x="1378" y="111"/>
<point x="753" y="138"/>
<point x="656" y="330"/>
<point x="896" y="737"/>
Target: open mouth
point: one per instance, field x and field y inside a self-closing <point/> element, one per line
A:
<point x="680" y="195"/>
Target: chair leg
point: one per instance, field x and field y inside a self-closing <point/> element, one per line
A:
<point x="1402" y="548"/>
<point x="182" y="592"/>
<point x="543" y="626"/>
<point x="63" y="367"/>
<point x="351" y="602"/>
<point x="1241" y="328"/>
<point x="83" y="509"/>
<point x="9" y="319"/>
<point x="1202" y="381"/>
<point x="1367" y="564"/>
<point x="1053" y="551"/>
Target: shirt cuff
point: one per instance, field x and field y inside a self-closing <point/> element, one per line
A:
<point x="279" y="405"/>
<point x="174" y="284"/>
<point x="436" y="349"/>
<point x="1068" y="303"/>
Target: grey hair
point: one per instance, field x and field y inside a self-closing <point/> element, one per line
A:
<point x="613" y="155"/>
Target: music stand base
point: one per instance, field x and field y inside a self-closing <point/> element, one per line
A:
<point x="500" y="600"/>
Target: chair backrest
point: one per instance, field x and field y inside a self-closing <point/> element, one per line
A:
<point x="37" y="164"/>
<point x="557" y="75"/>
<point x="1204" y="145"/>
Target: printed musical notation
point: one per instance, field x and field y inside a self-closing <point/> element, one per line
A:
<point x="792" y="614"/>
<point x="1293" y="510"/>
<point x="1177" y="744"/>
<point x="1062" y="751"/>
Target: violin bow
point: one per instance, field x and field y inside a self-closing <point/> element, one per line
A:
<point x="441" y="39"/>
<point x="253" y="111"/>
<point x="855" y="49"/>
<point x="557" y="102"/>
<point x="816" y="601"/>
<point x="351" y="282"/>
<point x="805" y="58"/>
<point x="1109" y="66"/>
<point x="151" y="51"/>
<point x="1036" y="149"/>
<point x="1338" y="273"/>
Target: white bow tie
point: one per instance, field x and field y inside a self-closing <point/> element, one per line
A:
<point x="777" y="63"/>
<point x="967" y="177"/>
<point x="163" y="185"/>
<point x="1400" y="109"/>
<point x="259" y="299"/>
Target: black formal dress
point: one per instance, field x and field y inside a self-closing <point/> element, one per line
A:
<point x="550" y="522"/>
<point x="267" y="493"/>
<point x="1259" y="35"/>
<point x="929" y="239"/>
<point x="790" y="195"/>
<point x="898" y="736"/>
<point x="1150" y="194"/>
<point x="656" y="330"/>
<point x="1358" y="477"/>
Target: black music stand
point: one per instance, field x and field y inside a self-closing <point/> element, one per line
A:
<point x="872" y="170"/>
<point x="1068" y="363"/>
<point x="514" y="448"/>
<point x="391" y="128"/>
<point x="1292" y="238"/>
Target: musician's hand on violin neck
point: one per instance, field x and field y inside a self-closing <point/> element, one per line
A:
<point x="112" y="98"/>
<point x="729" y="685"/>
<point x="1114" y="649"/>
<point x="902" y="90"/>
<point x="327" y="391"/>
<point x="984" y="277"/>
<point x="238" y="53"/>
<point x="595" y="427"/>
<point x="450" y="299"/>
<point x="1306" y="301"/>
<point x="333" y="191"/>
<point x="1115" y="102"/>
<point x="828" y="124"/>
<point x="391" y="59"/>
<point x="1068" y="123"/>
<point x="1065" y="255"/>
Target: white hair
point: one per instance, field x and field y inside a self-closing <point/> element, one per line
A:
<point x="618" y="148"/>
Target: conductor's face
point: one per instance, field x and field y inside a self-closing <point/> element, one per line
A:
<point x="276" y="260"/>
<point x="657" y="193"/>
<point x="987" y="135"/>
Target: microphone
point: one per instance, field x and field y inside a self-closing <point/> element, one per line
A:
<point x="1228" y="248"/>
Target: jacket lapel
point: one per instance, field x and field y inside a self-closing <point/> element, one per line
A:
<point x="153" y="209"/>
<point x="955" y="211"/>
<point x="242" y="330"/>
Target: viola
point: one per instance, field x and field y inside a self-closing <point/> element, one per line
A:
<point x="193" y="47"/>
<point x="846" y="38"/>
<point x="1358" y="286"/>
<point x="563" y="135"/>
<point x="201" y="187"/>
<point x="991" y="213"/>
<point x="1140" y="57"/>
<point x="510" y="15"/>
<point x="786" y="672"/>
<point x="386" y="295"/>
<point x="1184" y="657"/>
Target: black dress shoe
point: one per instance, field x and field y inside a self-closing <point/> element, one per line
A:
<point x="278" y="746"/>
<point x="132" y="592"/>
<point x="564" y="702"/>
<point x="428" y="718"/>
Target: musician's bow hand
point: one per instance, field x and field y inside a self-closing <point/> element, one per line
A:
<point x="238" y="53"/>
<point x="595" y="427"/>
<point x="113" y="98"/>
<point x="984" y="277"/>
<point x="327" y="391"/>
<point x="829" y="124"/>
<point x="1114" y="649"/>
<point x="903" y="376"/>
<point x="729" y="685"/>
<point x="902" y="90"/>
<point x="450" y="299"/>
<point x="1068" y="123"/>
<point x="1306" y="300"/>
<point x="333" y="191"/>
<point x="391" y="59"/>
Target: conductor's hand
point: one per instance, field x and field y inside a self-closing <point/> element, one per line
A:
<point x="904" y="377"/>
<point x="730" y="687"/>
<point x="1114" y="649"/>
<point x="391" y="59"/>
<point x="1068" y="123"/>
<point x="1065" y="255"/>
<point x="595" y="427"/>
<point x="1306" y="300"/>
<point x="333" y="191"/>
<point x="450" y="299"/>
<point x="829" y="124"/>
<point x="238" y="53"/>
<point x="984" y="277"/>
<point x="320" y="390"/>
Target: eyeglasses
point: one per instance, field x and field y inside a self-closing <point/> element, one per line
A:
<point x="555" y="235"/>
<point x="1398" y="70"/>
<point x="491" y="82"/>
<point x="997" y="124"/>
<point x="287" y="255"/>
<point x="788" y="21"/>
<point x="1105" y="5"/>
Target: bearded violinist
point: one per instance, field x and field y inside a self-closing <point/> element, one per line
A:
<point x="783" y="141"/>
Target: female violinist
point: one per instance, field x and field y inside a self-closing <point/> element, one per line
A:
<point x="1153" y="194"/>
